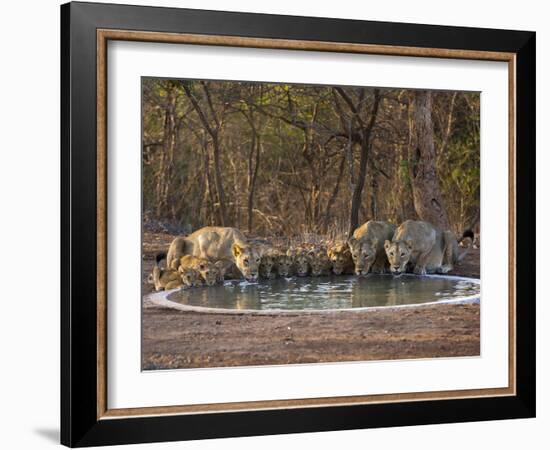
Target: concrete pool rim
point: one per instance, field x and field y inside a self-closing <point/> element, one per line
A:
<point x="161" y="299"/>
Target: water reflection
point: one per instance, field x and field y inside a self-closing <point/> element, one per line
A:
<point x="331" y="292"/>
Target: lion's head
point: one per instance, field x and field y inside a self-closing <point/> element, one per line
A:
<point x="283" y="264"/>
<point x="189" y="277"/>
<point x="247" y="260"/>
<point x="319" y="262"/>
<point x="209" y="272"/>
<point x="399" y="254"/>
<point x="363" y="253"/>
<point x="340" y="257"/>
<point x="267" y="262"/>
<point x="301" y="261"/>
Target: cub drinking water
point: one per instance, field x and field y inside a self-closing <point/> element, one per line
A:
<point x="173" y="279"/>
<point x="283" y="264"/>
<point x="267" y="263"/>
<point x="340" y="258"/>
<point x="207" y="270"/>
<point x="319" y="262"/>
<point x="300" y="259"/>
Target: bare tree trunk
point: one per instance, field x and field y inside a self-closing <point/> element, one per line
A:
<point x="208" y="190"/>
<point x="214" y="133"/>
<point x="253" y="175"/>
<point x="405" y="190"/>
<point x="373" y="192"/>
<point x="164" y="175"/>
<point x="218" y="181"/>
<point x="428" y="201"/>
<point x="334" y="193"/>
<point x="365" y="147"/>
<point x="405" y="187"/>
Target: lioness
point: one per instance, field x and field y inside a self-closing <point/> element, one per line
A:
<point x="207" y="270"/>
<point x="367" y="247"/>
<point x="218" y="244"/>
<point x="340" y="258"/>
<point x="423" y="247"/>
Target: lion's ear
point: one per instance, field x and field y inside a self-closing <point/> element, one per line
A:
<point x="409" y="244"/>
<point x="387" y="244"/>
<point x="237" y="250"/>
<point x="180" y="269"/>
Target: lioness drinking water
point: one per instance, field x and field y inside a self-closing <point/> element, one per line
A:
<point x="367" y="247"/>
<point x="218" y="244"/>
<point x="423" y="247"/>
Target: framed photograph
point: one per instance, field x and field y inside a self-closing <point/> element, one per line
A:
<point x="276" y="224"/>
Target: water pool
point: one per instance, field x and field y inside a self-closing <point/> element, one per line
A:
<point x="327" y="293"/>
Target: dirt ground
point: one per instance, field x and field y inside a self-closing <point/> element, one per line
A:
<point x="175" y="339"/>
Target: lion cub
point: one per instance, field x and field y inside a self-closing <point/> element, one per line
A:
<point x="300" y="259"/>
<point x="190" y="277"/>
<point x="267" y="265"/>
<point x="209" y="272"/>
<point x="283" y="264"/>
<point x="367" y="247"/>
<point x="340" y="258"/>
<point x="319" y="262"/>
<point x="166" y="279"/>
<point x="423" y="247"/>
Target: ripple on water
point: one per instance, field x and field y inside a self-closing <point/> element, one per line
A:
<point x="336" y="292"/>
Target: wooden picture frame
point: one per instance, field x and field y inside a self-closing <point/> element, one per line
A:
<point x="85" y="417"/>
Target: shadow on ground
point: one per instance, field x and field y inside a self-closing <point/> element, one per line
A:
<point x="50" y="434"/>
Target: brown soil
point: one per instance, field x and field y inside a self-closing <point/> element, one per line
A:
<point x="175" y="339"/>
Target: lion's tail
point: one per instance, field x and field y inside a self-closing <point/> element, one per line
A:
<point x="460" y="255"/>
<point x="159" y="257"/>
<point x="468" y="234"/>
